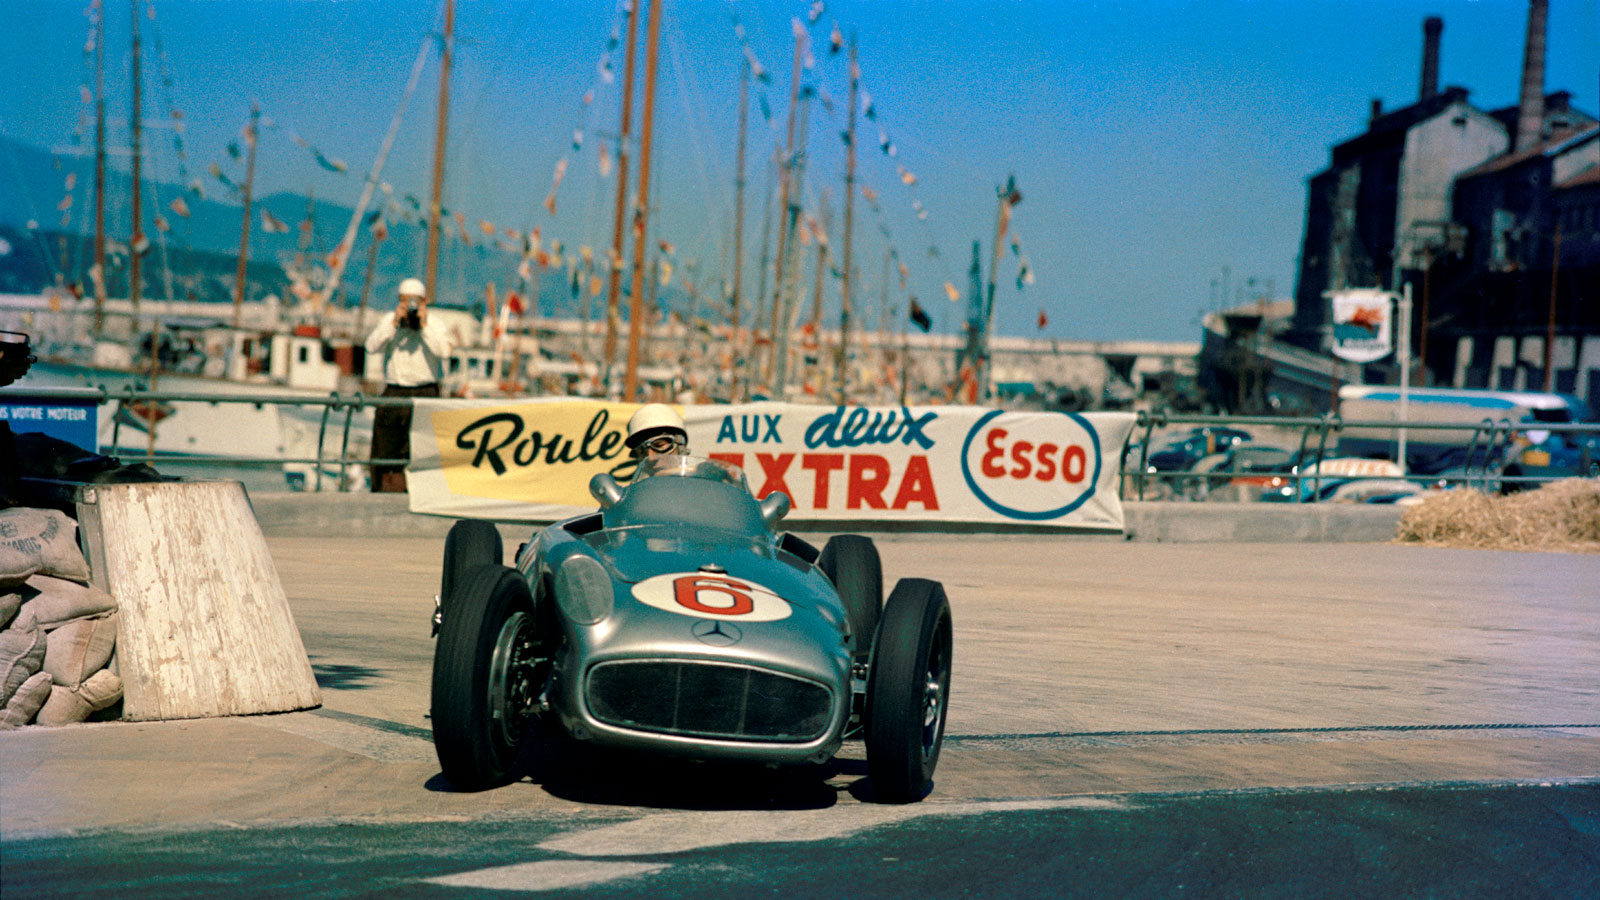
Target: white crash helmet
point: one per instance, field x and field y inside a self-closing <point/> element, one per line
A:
<point x="653" y="420"/>
<point x="413" y="287"/>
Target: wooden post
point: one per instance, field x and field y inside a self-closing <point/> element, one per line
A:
<point x="205" y="628"/>
<point x="250" y="136"/>
<point x="641" y="211"/>
<point x="441" y="129"/>
<point x="614" y="261"/>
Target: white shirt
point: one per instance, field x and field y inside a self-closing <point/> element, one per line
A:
<point x="410" y="357"/>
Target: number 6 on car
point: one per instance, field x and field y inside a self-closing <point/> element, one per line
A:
<point x="702" y="594"/>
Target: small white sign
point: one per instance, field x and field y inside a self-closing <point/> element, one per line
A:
<point x="1362" y="330"/>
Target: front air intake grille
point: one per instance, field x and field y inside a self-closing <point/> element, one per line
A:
<point x="710" y="700"/>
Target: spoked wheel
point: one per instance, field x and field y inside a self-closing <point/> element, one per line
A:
<point x="908" y="691"/>
<point x="851" y="562"/>
<point x="471" y="543"/>
<point x="488" y="670"/>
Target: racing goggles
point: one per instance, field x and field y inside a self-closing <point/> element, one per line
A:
<point x="661" y="444"/>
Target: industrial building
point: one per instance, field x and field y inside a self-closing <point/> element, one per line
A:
<point x="1492" y="216"/>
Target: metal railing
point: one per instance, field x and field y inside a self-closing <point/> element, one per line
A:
<point x="1491" y="439"/>
<point x="332" y="404"/>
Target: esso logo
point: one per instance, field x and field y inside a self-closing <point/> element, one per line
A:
<point x="708" y="595"/>
<point x="1031" y="465"/>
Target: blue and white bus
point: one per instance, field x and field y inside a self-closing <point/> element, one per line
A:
<point x="1435" y="449"/>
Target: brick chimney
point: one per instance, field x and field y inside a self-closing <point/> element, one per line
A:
<point x="1432" y="27"/>
<point x="1530" y="108"/>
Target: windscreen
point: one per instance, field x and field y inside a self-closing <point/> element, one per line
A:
<point x="674" y="465"/>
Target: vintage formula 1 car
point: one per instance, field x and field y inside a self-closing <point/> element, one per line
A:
<point x="678" y="620"/>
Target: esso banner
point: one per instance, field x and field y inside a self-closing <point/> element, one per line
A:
<point x="531" y="460"/>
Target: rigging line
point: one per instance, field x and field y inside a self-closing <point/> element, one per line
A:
<point x="35" y="235"/>
<point x="586" y="116"/>
<point x="467" y="146"/>
<point x="165" y="72"/>
<point x="371" y="182"/>
<point x="709" y="230"/>
<point x="84" y="193"/>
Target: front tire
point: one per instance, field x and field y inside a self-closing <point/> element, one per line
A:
<point x="486" y="680"/>
<point x="471" y="543"/>
<point x="908" y="689"/>
<point x="851" y="562"/>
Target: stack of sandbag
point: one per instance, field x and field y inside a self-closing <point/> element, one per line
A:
<point x="57" y="633"/>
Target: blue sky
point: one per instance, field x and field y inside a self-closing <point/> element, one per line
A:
<point x="1154" y="142"/>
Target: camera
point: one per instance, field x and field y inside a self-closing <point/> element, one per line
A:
<point x="412" y="319"/>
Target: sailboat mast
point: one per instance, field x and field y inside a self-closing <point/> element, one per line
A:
<point x="641" y="211"/>
<point x="250" y="133"/>
<point x="136" y="240"/>
<point x="750" y="371"/>
<point x="98" y="273"/>
<point x="436" y="201"/>
<point x="738" y="222"/>
<point x="785" y="177"/>
<point x="614" y="261"/>
<point x="842" y="363"/>
<point x="366" y="284"/>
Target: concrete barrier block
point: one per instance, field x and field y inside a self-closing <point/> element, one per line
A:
<point x="205" y="628"/>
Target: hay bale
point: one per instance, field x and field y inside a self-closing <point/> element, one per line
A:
<point x="1560" y="516"/>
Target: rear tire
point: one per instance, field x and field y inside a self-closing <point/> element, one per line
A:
<point x="486" y="679"/>
<point x="471" y="543"/>
<point x="851" y="562"/>
<point x="908" y="690"/>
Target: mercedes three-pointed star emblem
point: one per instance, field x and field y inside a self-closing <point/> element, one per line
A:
<point x="716" y="633"/>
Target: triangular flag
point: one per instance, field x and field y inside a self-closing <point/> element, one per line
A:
<point x="179" y="207"/>
<point x="271" y="224"/>
<point x="951" y="292"/>
<point x="919" y="316"/>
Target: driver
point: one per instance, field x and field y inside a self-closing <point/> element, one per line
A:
<point x="656" y="430"/>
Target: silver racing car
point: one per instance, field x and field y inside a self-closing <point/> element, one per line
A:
<point x="678" y="620"/>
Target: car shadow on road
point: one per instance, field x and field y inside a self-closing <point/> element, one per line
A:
<point x="573" y="771"/>
<point x="339" y="677"/>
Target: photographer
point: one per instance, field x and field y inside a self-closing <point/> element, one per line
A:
<point x="414" y="350"/>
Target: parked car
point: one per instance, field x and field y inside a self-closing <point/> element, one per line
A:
<point x="1198" y="443"/>
<point x="676" y="620"/>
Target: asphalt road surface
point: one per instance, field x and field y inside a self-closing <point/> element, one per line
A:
<point x="1127" y="720"/>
